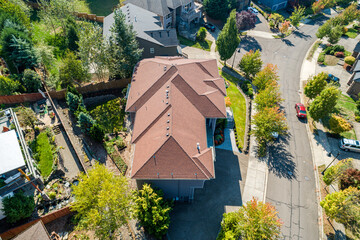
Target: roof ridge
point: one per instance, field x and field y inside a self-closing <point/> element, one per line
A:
<point x="208" y="174"/>
<point x="213" y="81"/>
<point x="165" y="77"/>
<point x="151" y="124"/>
<point x="203" y="68"/>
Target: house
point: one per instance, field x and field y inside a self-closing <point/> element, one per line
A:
<point x="153" y="37"/>
<point x="174" y="103"/>
<point x="171" y="12"/>
<point x="275" y="4"/>
<point x="354" y="81"/>
<point x="36" y="231"/>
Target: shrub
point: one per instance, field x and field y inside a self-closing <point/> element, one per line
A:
<point x="357" y="118"/>
<point x="321" y="58"/>
<point x="201" y="34"/>
<point x="31" y="80"/>
<point x="8" y="86"/>
<point x="97" y="133"/>
<point x="339" y="124"/>
<point x="52" y="195"/>
<point x="332" y="49"/>
<point x="339" y="54"/>
<point x="85" y="122"/>
<point x="350" y="60"/>
<point x="18" y="207"/>
<point x="74" y="101"/>
<point x="350" y="178"/>
<point x="335" y="171"/>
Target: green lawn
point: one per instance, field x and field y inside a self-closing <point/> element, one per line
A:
<point x="238" y="106"/>
<point x="102" y="7"/>
<point x="351" y="33"/>
<point x="204" y="45"/>
<point x="44" y="154"/>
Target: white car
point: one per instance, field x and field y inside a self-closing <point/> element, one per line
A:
<point x="253" y="10"/>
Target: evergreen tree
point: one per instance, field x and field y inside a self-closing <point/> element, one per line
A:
<point x="85" y="122"/>
<point x="72" y="71"/>
<point x="31" y="80"/>
<point x="18" y="207"/>
<point x="72" y="34"/>
<point x="228" y="39"/>
<point x="152" y="210"/>
<point x="123" y="47"/>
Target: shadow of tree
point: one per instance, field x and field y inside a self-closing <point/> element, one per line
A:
<point x="301" y="35"/>
<point x="249" y="43"/>
<point x="280" y="160"/>
<point x="287" y="42"/>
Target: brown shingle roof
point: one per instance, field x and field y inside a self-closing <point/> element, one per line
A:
<point x="172" y="98"/>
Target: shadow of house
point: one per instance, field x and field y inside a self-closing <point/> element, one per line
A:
<point x="201" y="219"/>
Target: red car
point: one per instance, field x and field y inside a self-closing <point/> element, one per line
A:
<point x="300" y="110"/>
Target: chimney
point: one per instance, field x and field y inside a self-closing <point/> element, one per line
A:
<point x="198" y="147"/>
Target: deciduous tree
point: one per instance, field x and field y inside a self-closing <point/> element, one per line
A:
<point x="269" y="97"/>
<point x="123" y="49"/>
<point x="26" y="117"/>
<point x="31" y="80"/>
<point x="265" y="77"/>
<point x="8" y="86"/>
<point x="284" y="27"/>
<point x="102" y="201"/>
<point x="315" y="85"/>
<point x="251" y="63"/>
<point x="339" y="124"/>
<point x="152" y="210"/>
<point x="72" y="71"/>
<point x="228" y="39"/>
<point x="253" y="221"/>
<point x="350" y="178"/>
<point x="18" y="207"/>
<point x="325" y="103"/>
<point x="335" y="171"/>
<point x="297" y="15"/>
<point x="245" y="19"/>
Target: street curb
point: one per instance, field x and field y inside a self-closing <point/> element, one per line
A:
<point x="317" y="178"/>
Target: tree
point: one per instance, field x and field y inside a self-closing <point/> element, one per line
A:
<point x="323" y="30"/>
<point x="123" y="49"/>
<point x="265" y="77"/>
<point x="26" y="117"/>
<point x="297" y="15"/>
<point x="315" y="85"/>
<point x="18" y="207"/>
<point x="152" y="210"/>
<point x="325" y="103"/>
<point x="335" y="34"/>
<point x="228" y="39"/>
<point x="102" y="201"/>
<point x="93" y="49"/>
<point x="253" y="221"/>
<point x="333" y="172"/>
<point x="97" y="133"/>
<point x="317" y="6"/>
<point x="251" y="63"/>
<point x="74" y="102"/>
<point x="31" y="80"/>
<point x="201" y="34"/>
<point x="343" y="207"/>
<point x="276" y="19"/>
<point x="216" y="9"/>
<point x="266" y="122"/>
<point x="8" y="86"/>
<point x="72" y="71"/>
<point x="72" y="34"/>
<point x="269" y="97"/>
<point x="85" y="122"/>
<point x="350" y="178"/>
<point x="245" y="19"/>
<point x="11" y="8"/>
<point x="339" y="124"/>
<point x="284" y="27"/>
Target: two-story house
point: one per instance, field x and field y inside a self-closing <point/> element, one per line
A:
<point x="174" y="103"/>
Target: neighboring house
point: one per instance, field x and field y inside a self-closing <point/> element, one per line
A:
<point x="171" y="12"/>
<point x="174" y="103"/>
<point x="150" y="33"/>
<point x="34" y="232"/>
<point x="244" y="4"/>
<point x="354" y="81"/>
<point x="275" y="4"/>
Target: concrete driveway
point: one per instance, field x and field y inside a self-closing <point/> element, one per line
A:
<point x="201" y="219"/>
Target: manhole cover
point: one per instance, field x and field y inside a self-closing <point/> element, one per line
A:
<point x="307" y="179"/>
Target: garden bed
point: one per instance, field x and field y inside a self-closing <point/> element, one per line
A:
<point x="113" y="147"/>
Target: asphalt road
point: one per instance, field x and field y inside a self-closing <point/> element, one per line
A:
<point x="291" y="181"/>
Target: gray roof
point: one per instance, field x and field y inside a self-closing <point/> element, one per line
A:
<point x="357" y="66"/>
<point x="159" y="7"/>
<point x="356" y="77"/>
<point x="146" y="24"/>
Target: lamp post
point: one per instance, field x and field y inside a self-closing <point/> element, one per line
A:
<point x="238" y="50"/>
<point x="322" y="173"/>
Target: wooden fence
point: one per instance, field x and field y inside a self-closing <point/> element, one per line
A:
<point x="45" y="219"/>
<point x="90" y="88"/>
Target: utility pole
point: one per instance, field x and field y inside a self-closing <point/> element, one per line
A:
<point x="322" y="173"/>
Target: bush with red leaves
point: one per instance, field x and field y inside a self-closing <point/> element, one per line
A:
<point x="350" y="178"/>
<point x="245" y="19"/>
<point x="339" y="54"/>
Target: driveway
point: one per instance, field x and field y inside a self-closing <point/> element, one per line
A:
<point x="201" y="219"/>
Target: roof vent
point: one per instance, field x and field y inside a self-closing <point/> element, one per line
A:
<point x="164" y="68"/>
<point x="167" y="102"/>
<point x="167" y="86"/>
<point x="167" y="134"/>
<point x="198" y="147"/>
<point x="168" y="121"/>
<point x="167" y="128"/>
<point x="168" y="114"/>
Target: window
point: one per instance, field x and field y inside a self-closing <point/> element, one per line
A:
<point x="152" y="50"/>
<point x="168" y="16"/>
<point x="187" y="7"/>
<point x="168" y="25"/>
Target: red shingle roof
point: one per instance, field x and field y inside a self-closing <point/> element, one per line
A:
<point x="172" y="97"/>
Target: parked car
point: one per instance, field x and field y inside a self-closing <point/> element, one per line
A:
<point x="300" y="110"/>
<point x="209" y="26"/>
<point x="332" y="78"/>
<point x="350" y="145"/>
<point x="253" y="10"/>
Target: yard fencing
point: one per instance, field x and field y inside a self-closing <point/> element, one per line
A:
<point x="45" y="219"/>
<point x="87" y="89"/>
